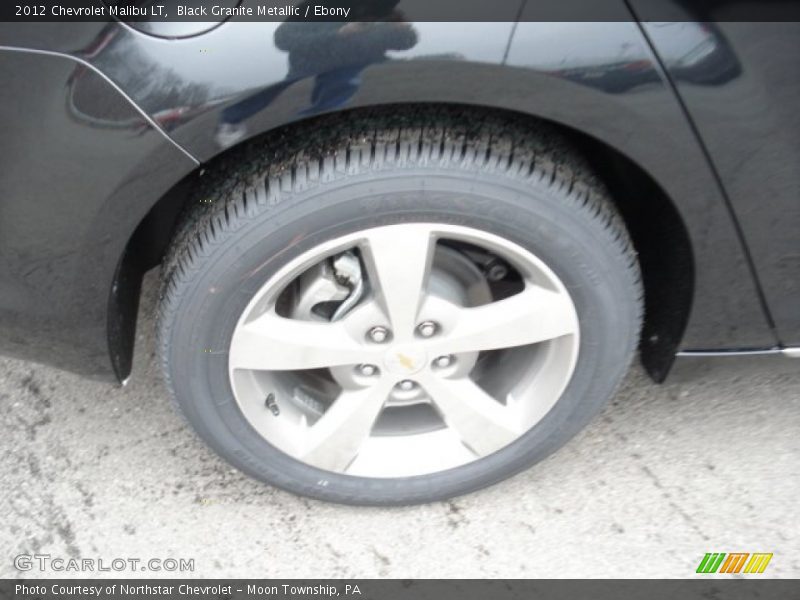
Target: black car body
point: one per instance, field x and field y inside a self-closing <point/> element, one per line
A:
<point x="104" y="127"/>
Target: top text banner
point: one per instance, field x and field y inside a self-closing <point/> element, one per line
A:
<point x="217" y="11"/>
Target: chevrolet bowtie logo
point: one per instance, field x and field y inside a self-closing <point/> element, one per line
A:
<point x="406" y="361"/>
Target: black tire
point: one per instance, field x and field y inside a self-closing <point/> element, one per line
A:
<point x="272" y="200"/>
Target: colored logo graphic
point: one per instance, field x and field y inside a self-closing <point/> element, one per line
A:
<point x="716" y="562"/>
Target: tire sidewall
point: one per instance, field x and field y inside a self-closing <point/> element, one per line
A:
<point x="555" y="226"/>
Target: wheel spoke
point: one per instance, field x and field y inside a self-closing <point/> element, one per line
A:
<point x="483" y="424"/>
<point x="398" y="261"/>
<point x="534" y="315"/>
<point x="334" y="441"/>
<point x="275" y="343"/>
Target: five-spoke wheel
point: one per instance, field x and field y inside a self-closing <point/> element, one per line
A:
<point x="397" y="384"/>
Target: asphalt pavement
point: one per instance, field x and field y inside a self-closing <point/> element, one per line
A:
<point x="706" y="463"/>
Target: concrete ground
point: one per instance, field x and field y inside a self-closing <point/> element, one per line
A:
<point x="664" y="475"/>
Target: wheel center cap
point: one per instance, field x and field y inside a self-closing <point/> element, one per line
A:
<point x="405" y="360"/>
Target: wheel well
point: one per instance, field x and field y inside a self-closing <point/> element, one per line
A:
<point x="654" y="224"/>
<point x="663" y="248"/>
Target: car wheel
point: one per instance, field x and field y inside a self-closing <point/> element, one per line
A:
<point x="398" y="309"/>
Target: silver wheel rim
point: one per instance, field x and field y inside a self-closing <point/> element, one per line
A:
<point x="429" y="370"/>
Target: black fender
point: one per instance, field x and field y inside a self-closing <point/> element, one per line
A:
<point x="81" y="166"/>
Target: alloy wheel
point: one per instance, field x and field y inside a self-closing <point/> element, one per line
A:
<point x="403" y="350"/>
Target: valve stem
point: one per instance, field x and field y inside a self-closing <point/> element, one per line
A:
<point x="272" y="405"/>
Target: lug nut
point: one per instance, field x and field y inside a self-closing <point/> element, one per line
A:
<point x="406" y="385"/>
<point x="427" y="328"/>
<point x="367" y="370"/>
<point x="443" y="362"/>
<point x="378" y="334"/>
